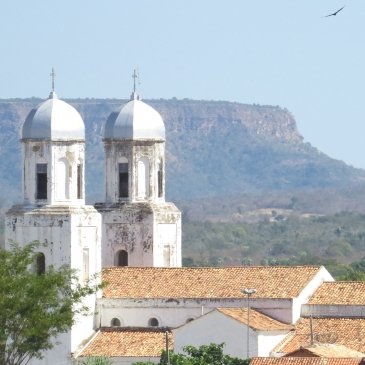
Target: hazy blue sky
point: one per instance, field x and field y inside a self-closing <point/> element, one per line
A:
<point x="280" y="52"/>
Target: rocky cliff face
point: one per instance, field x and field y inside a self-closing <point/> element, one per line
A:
<point x="203" y="116"/>
<point x="214" y="148"/>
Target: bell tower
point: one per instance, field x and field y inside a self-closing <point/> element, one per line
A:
<point x="53" y="158"/>
<point x="139" y="227"/>
<point x="53" y="210"/>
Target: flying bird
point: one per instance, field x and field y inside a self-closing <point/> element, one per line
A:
<point x="335" y="13"/>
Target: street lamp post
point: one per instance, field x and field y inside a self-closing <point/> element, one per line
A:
<point x="167" y="356"/>
<point x="248" y="292"/>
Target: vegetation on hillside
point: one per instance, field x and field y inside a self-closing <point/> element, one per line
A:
<point x="334" y="241"/>
<point x="241" y="169"/>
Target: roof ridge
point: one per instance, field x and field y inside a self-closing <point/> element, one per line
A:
<point x="214" y="267"/>
<point x="255" y="322"/>
<point x="134" y="329"/>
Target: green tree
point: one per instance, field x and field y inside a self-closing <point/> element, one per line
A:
<point x="353" y="275"/>
<point x="35" y="307"/>
<point x="95" y="360"/>
<point x="204" y="355"/>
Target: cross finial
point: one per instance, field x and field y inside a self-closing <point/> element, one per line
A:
<point x="52" y="74"/>
<point x="135" y="77"/>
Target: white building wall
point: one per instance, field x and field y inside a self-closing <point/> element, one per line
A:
<point x="167" y="237"/>
<point x="136" y="228"/>
<point x="268" y="340"/>
<point x="169" y="317"/>
<point x="333" y="310"/>
<point x="62" y="355"/>
<point x="64" y="233"/>
<point x="175" y="312"/>
<point x="217" y="328"/>
<point x="127" y="360"/>
<point x="85" y="238"/>
<point x="307" y="292"/>
<point x="128" y="228"/>
<point x="279" y="309"/>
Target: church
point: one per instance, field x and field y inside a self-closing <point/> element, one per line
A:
<point x="133" y="238"/>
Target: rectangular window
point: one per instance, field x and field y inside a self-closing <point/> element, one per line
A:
<point x="41" y="192"/>
<point x="79" y="181"/>
<point x="123" y="180"/>
<point x="159" y="179"/>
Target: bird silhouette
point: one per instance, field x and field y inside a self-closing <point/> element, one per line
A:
<point x="335" y="13"/>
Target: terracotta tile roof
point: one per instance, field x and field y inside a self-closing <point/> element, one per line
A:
<point x="349" y="332"/>
<point x="345" y="361"/>
<point x="207" y="282"/>
<point x="305" y="361"/>
<point x="340" y="293"/>
<point x="123" y="342"/>
<point x="258" y="320"/>
<point x="326" y="350"/>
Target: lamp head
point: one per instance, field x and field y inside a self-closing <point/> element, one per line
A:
<point x="248" y="291"/>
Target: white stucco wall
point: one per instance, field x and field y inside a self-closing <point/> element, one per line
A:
<point x="129" y="229"/>
<point x="65" y="232"/>
<point x="170" y="317"/>
<point x="57" y="356"/>
<point x="136" y="228"/>
<point x="268" y="340"/>
<point x="127" y="360"/>
<point x="175" y="312"/>
<point x="217" y="328"/>
<point x="307" y="292"/>
<point x="333" y="310"/>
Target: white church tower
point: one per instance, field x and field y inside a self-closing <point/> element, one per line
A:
<point x="139" y="227"/>
<point x="54" y="211"/>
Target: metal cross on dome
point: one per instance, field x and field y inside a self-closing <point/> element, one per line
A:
<point x="52" y="74"/>
<point x="135" y="76"/>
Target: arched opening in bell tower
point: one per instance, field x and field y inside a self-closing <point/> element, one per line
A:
<point x="122" y="258"/>
<point x="123" y="179"/>
<point x="153" y="322"/>
<point x="160" y="179"/>
<point x="41" y="181"/>
<point x="79" y="188"/>
<point x="40" y="263"/>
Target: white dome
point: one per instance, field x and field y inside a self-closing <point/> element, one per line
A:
<point x="54" y="120"/>
<point x="135" y="120"/>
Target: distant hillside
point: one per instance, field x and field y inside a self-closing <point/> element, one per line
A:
<point x="215" y="150"/>
<point x="333" y="240"/>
